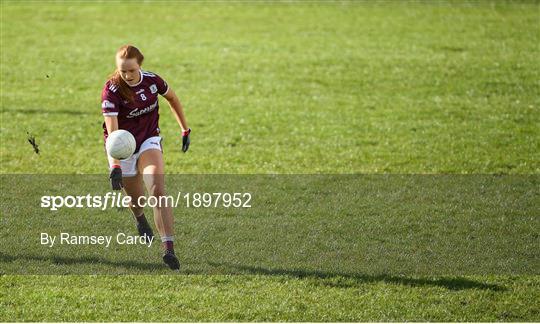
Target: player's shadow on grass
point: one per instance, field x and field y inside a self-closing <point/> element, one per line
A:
<point x="62" y="260"/>
<point x="334" y="279"/>
<point x="348" y="280"/>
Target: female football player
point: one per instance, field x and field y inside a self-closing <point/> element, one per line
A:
<point x="129" y="101"/>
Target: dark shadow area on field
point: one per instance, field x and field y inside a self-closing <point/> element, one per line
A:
<point x="83" y="260"/>
<point x="52" y="112"/>
<point x="332" y="279"/>
<point x="348" y="280"/>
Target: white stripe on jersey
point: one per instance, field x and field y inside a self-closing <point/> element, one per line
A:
<point x="113" y="87"/>
<point x="146" y="73"/>
<point x="110" y="114"/>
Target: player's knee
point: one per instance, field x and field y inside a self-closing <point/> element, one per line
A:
<point x="157" y="191"/>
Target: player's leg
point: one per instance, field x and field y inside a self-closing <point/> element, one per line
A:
<point x="134" y="187"/>
<point x="151" y="167"/>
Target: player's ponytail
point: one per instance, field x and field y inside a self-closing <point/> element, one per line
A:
<point x="125" y="52"/>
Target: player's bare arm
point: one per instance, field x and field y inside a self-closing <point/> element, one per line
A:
<point x="177" y="109"/>
<point x="111" y="123"/>
<point x="178" y="112"/>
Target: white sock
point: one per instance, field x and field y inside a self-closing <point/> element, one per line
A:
<point x="167" y="238"/>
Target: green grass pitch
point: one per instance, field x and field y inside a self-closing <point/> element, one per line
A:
<point x="429" y="87"/>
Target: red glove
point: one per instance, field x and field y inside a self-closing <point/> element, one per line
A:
<point x="185" y="140"/>
<point x="116" y="177"/>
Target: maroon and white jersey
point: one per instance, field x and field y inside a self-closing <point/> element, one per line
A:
<point x="141" y="116"/>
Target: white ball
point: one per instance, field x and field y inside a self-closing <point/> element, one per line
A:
<point x="120" y="144"/>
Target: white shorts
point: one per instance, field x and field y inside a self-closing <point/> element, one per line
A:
<point x="129" y="166"/>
